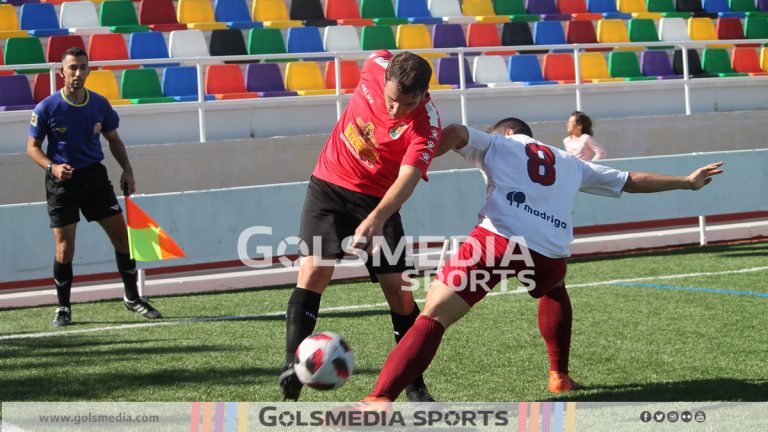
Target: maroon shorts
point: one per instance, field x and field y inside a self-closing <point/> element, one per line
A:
<point x="486" y="259"/>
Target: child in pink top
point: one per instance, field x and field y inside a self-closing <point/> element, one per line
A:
<point x="580" y="142"/>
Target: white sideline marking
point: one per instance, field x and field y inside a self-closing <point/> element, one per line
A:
<point x="347" y="308"/>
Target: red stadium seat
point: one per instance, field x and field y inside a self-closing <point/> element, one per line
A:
<point x="559" y="67"/>
<point x="226" y="82"/>
<point x="58" y="44"/>
<point x="729" y="28"/>
<point x="345" y="12"/>
<point x="159" y="15"/>
<point x="42" y="86"/>
<point x="350" y="75"/>
<point x="109" y="46"/>
<point x="745" y="60"/>
<point x="485" y="35"/>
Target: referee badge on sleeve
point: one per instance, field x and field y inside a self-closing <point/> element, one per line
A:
<point x="33" y="122"/>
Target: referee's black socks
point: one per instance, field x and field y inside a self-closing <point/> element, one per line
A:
<point x="62" y="278"/>
<point x="300" y="319"/>
<point x="127" y="268"/>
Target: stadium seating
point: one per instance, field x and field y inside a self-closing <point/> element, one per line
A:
<point x="729" y="28"/>
<point x="693" y="6"/>
<point x="742" y="5"/>
<point x="484" y="35"/>
<point x="41" y="87"/>
<point x="448" y="73"/>
<point x="310" y="12"/>
<point x="448" y="36"/>
<point x="607" y="8"/>
<point x="111" y="46"/>
<point x="745" y="60"/>
<point x="509" y="7"/>
<point x="15" y="93"/>
<point x="701" y="28"/>
<point x="719" y="7"/>
<point x="580" y="32"/>
<point x="159" y="15"/>
<point x="266" y="80"/>
<point x="120" y="17"/>
<point x="381" y="11"/>
<point x="58" y="44"/>
<point x="234" y="13"/>
<point x="265" y="41"/>
<point x="303" y="40"/>
<point x="624" y="64"/>
<point x="656" y="63"/>
<point x="24" y="51"/>
<point x="491" y="70"/>
<point x="631" y="6"/>
<point x="305" y="79"/>
<point x="197" y="14"/>
<point x="525" y="69"/>
<point x="80" y="18"/>
<point x="673" y="29"/>
<point x="694" y="64"/>
<point x="147" y="45"/>
<point x="482" y="10"/>
<point x="341" y="38"/>
<point x="612" y="31"/>
<point x="4" y="72"/>
<point x="187" y="43"/>
<point x="9" y="23"/>
<point x="516" y="33"/>
<point x="642" y="30"/>
<point x="227" y="42"/>
<point x="666" y="6"/>
<point x="377" y="37"/>
<point x="141" y="86"/>
<point x="349" y="74"/>
<point x="273" y="14"/>
<point x="559" y="67"/>
<point x="594" y="68"/>
<point x="756" y="28"/>
<point x="345" y="12"/>
<point x="226" y="82"/>
<point x="104" y="83"/>
<point x="572" y="7"/>
<point x="180" y="83"/>
<point x="414" y="36"/>
<point x="715" y="61"/>
<point x="450" y="11"/>
<point x="40" y="20"/>
<point x="547" y="9"/>
<point x="415" y="11"/>
<point x="433" y="84"/>
<point x="548" y="33"/>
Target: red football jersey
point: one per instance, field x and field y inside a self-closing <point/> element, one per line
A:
<point x="367" y="147"/>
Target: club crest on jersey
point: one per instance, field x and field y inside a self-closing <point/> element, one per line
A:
<point x="398" y="130"/>
<point x="33" y="121"/>
<point x="97" y="129"/>
<point x="61" y="130"/>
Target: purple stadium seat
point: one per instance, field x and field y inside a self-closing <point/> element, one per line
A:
<point x="15" y="93"/>
<point x="448" y="36"/>
<point x="547" y="9"/>
<point x="20" y="2"/>
<point x="656" y="63"/>
<point x="762" y="5"/>
<point x="448" y="73"/>
<point x="266" y="80"/>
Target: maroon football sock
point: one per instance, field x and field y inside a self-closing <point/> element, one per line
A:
<point x="555" y="320"/>
<point x="410" y="357"/>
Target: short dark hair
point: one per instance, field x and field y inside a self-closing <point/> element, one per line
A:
<point x="518" y="126"/>
<point x="584" y="121"/>
<point x="410" y="72"/>
<point x="74" y="52"/>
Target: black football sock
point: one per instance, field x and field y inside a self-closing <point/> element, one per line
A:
<point x="62" y="278"/>
<point x="300" y="319"/>
<point x="127" y="268"/>
<point x="400" y="325"/>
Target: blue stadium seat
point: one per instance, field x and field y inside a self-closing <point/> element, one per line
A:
<point x="148" y="45"/>
<point x="304" y="39"/>
<point x="40" y="20"/>
<point x="607" y="8"/>
<point x="180" y="83"/>
<point x="416" y="11"/>
<point x="235" y="13"/>
<point x="525" y="68"/>
<point x="548" y="33"/>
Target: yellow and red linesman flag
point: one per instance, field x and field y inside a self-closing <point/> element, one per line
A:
<point x="148" y="242"/>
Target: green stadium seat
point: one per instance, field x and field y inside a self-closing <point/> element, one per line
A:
<point x="142" y="86"/>
<point x="643" y="30"/>
<point x="756" y="28"/>
<point x="509" y="7"/>
<point x="22" y="51"/>
<point x="120" y="17"/>
<point x="381" y="11"/>
<point x="742" y="5"/>
<point x="624" y="64"/>
<point x="715" y="61"/>
<point x="266" y="41"/>
<point x="661" y="6"/>
<point x="377" y="37"/>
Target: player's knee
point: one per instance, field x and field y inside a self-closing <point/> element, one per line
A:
<point x="65" y="251"/>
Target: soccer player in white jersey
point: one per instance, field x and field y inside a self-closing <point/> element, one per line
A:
<point x="524" y="229"/>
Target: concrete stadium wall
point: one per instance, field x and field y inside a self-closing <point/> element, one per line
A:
<point x="281" y="159"/>
<point x="207" y="224"/>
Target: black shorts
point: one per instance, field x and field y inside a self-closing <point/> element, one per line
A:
<point x="332" y="213"/>
<point x="89" y="190"/>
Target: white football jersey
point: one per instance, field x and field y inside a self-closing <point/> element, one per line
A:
<point x="532" y="186"/>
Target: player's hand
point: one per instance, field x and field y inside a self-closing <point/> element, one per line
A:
<point x="127" y="182"/>
<point x="62" y="172"/>
<point x="703" y="176"/>
<point x="366" y="235"/>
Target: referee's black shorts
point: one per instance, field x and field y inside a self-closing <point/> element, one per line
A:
<point x="88" y="191"/>
<point x="332" y="213"/>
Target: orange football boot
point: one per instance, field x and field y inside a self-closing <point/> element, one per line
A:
<point x="562" y="383"/>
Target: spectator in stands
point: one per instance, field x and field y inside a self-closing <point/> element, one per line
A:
<point x="378" y="151"/>
<point x="580" y="140"/>
<point x="524" y="229"/>
<point x="73" y="119"/>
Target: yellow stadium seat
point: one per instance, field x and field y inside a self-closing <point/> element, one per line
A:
<point x="648" y="15"/>
<point x="614" y="30"/>
<point x="482" y="10"/>
<point x="630" y="6"/>
<point x="198" y="14"/>
<point x="764" y="59"/>
<point x="701" y="28"/>
<point x="306" y="79"/>
<point x="594" y="68"/>
<point x="9" y="23"/>
<point x="433" y="83"/>
<point x="415" y="36"/>
<point x="104" y="83"/>
<point x="273" y="14"/>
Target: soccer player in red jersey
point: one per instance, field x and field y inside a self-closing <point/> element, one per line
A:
<point x="378" y="151"/>
<point x="524" y="228"/>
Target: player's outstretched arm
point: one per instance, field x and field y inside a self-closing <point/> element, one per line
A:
<point x="454" y="137"/>
<point x="642" y="182"/>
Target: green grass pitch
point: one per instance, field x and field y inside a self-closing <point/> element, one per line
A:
<point x="686" y="338"/>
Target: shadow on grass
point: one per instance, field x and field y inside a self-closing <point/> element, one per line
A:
<point x="719" y="389"/>
<point x="281" y="317"/>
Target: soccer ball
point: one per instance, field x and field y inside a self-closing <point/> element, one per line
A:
<point x="323" y="361"/>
